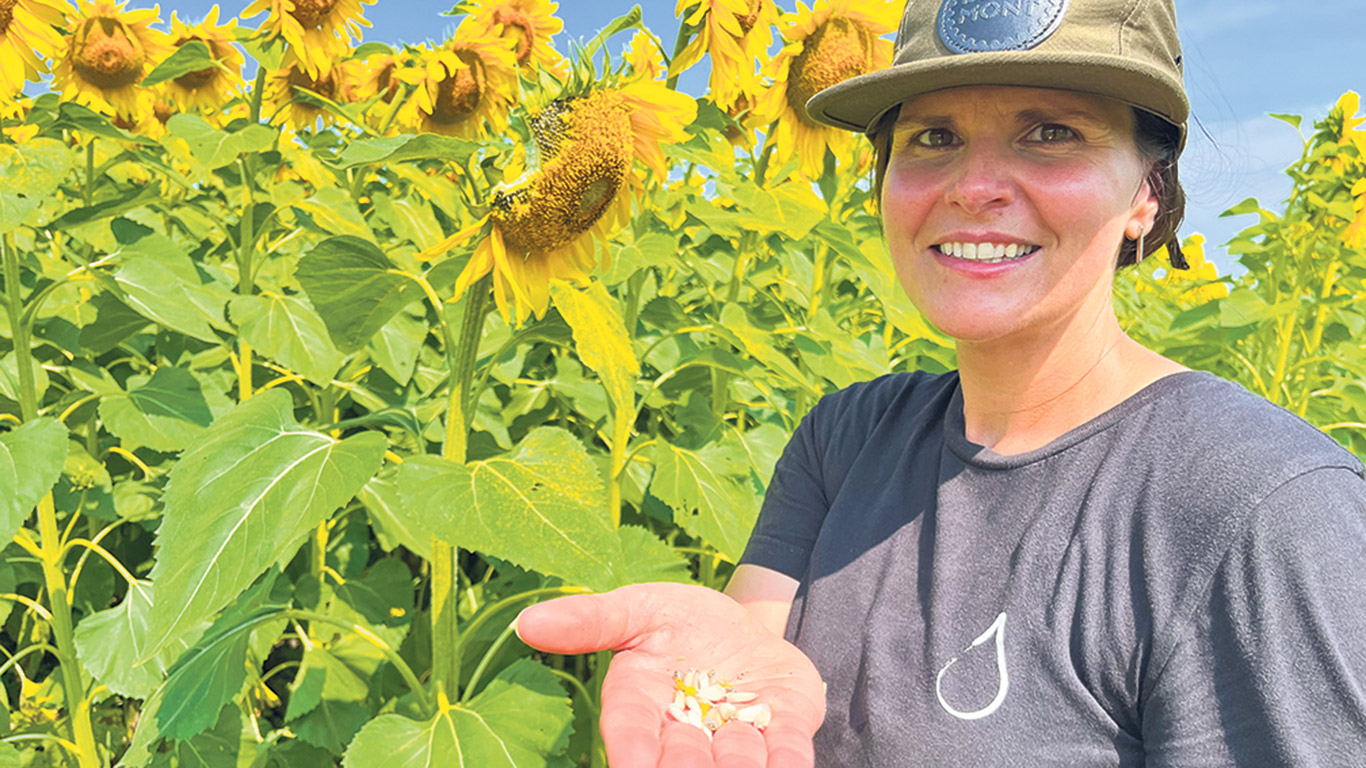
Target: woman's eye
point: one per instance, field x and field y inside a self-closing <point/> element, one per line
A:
<point x="1050" y="133"/>
<point x="935" y="137"/>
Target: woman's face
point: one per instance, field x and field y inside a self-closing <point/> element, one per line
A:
<point x="1050" y="180"/>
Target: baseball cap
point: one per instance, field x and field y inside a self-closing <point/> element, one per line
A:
<point x="1126" y="50"/>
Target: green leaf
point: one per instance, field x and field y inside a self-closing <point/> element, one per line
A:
<point x="242" y="499"/>
<point x="331" y="211"/>
<point x="397" y="149"/>
<point x="10" y="757"/>
<point x="384" y="595"/>
<point x="32" y="172"/>
<point x="165" y="412"/>
<point x="395" y="523"/>
<point x="626" y="21"/>
<point x="9" y="377"/>
<point x="332" y="724"/>
<point x="229" y="744"/>
<point x="522" y="719"/>
<point x="1293" y="120"/>
<point x="542" y="508"/>
<point x="215" y="148"/>
<point x="114" y="322"/>
<point x="153" y="288"/>
<point x="108" y="209"/>
<point x="708" y="500"/>
<point x="211" y="672"/>
<point x="111" y="643"/>
<point x="354" y="287"/>
<point x="648" y="558"/>
<point x="601" y="339"/>
<point x="190" y="56"/>
<point x="73" y="116"/>
<point x="396" y="346"/>
<point x="323" y="676"/>
<point x="288" y="331"/>
<point x="31" y="458"/>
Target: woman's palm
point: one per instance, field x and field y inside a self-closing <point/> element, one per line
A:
<point x="662" y="630"/>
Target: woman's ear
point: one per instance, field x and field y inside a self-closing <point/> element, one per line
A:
<point x="1143" y="214"/>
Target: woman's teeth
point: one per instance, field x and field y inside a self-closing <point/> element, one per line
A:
<point x="987" y="253"/>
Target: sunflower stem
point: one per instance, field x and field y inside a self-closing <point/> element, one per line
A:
<point x="761" y="168"/>
<point x="258" y="92"/>
<point x="720" y="379"/>
<point x="461" y="355"/>
<point x="73" y="677"/>
<point x="23" y="352"/>
<point x="90" y="173"/>
<point x="685" y="35"/>
<point x="393" y="111"/>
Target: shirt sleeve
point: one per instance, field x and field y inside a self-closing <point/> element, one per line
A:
<point x="795" y="503"/>
<point x="1271" y="665"/>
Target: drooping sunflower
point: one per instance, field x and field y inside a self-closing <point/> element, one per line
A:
<point x="468" y="88"/>
<point x="207" y="88"/>
<point x="736" y="34"/>
<point x="319" y="32"/>
<point x="527" y="24"/>
<point x="643" y="56"/>
<point x="107" y="54"/>
<point x="547" y="225"/>
<point x="283" y="96"/>
<point x="28" y="36"/>
<point x="826" y="44"/>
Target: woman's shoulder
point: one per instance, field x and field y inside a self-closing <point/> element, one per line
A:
<point x="1228" y="429"/>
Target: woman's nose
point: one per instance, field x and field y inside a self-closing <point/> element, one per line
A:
<point x="981" y="180"/>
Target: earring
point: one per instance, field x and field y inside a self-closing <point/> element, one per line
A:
<point x="1138" y="254"/>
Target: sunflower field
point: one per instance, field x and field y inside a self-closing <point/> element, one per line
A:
<point x="310" y="381"/>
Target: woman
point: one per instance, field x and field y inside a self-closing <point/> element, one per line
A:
<point x="1069" y="551"/>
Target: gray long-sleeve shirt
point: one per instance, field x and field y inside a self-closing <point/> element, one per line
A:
<point x="1178" y="582"/>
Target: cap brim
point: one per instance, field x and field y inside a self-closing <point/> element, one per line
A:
<point x="857" y="103"/>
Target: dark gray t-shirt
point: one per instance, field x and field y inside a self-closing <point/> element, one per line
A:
<point x="1179" y="582"/>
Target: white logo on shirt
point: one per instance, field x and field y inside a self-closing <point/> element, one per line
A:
<point x="997" y="629"/>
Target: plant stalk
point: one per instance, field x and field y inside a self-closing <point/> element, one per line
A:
<point x="461" y="355"/>
<point x="63" y="630"/>
<point x="19" y="329"/>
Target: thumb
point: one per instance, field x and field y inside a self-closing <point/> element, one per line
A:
<point x="612" y="621"/>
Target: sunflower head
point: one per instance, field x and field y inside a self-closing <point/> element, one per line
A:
<point x="107" y="54"/>
<point x="839" y="49"/>
<point x="586" y="148"/>
<point x="212" y="86"/>
<point x="470" y="84"/>
<point x="284" y="85"/>
<point x="319" y="32"/>
<point x="526" y="25"/>
<point x="28" y="37"/>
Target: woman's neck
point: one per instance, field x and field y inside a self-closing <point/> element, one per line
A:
<point x="1022" y="393"/>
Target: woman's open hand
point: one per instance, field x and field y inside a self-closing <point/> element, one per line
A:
<point x="659" y="630"/>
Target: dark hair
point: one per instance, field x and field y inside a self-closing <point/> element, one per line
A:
<point x="1158" y="143"/>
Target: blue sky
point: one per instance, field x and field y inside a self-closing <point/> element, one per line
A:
<point x="1243" y="59"/>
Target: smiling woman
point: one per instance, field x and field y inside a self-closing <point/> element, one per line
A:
<point x="1071" y="550"/>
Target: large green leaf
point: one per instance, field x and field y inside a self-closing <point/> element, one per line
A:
<point x="32" y="172"/>
<point x="215" y="148"/>
<point x="395" y="523"/>
<point x="541" y="508"/>
<point x="190" y="56"/>
<point x="708" y="498"/>
<point x="213" y="670"/>
<point x="229" y="744"/>
<point x="601" y="339"/>
<point x="9" y="377"/>
<point x="31" y="458"/>
<point x="153" y="288"/>
<point x="241" y="500"/>
<point x="355" y="288"/>
<point x="288" y="331"/>
<point x="111" y="644"/>
<point x="522" y="719"/>
<point x="397" y="149"/>
<point x="164" y="412"/>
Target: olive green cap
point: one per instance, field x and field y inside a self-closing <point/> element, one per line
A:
<point x="1126" y="50"/>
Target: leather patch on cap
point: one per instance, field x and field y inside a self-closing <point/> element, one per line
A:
<point x="975" y="26"/>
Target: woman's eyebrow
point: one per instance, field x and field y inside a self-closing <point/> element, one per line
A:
<point x="1036" y="116"/>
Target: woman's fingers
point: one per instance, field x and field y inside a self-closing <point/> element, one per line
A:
<point x="581" y="623"/>
<point x="684" y="746"/>
<point x="789" y="745"/>
<point x="739" y="745"/>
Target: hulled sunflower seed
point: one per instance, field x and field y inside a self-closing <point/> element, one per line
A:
<point x="708" y="701"/>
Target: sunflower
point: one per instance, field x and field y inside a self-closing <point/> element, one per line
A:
<point x="547" y="224"/>
<point x="319" y="32"/>
<point x="28" y="35"/>
<point x="825" y="45"/>
<point x="643" y="56"/>
<point x="1196" y="285"/>
<point x="735" y="33"/>
<point x="527" y="25"/>
<point x="107" y="54"/>
<point x="468" y="83"/>
<point x="208" y="88"/>
<point x="337" y="83"/>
